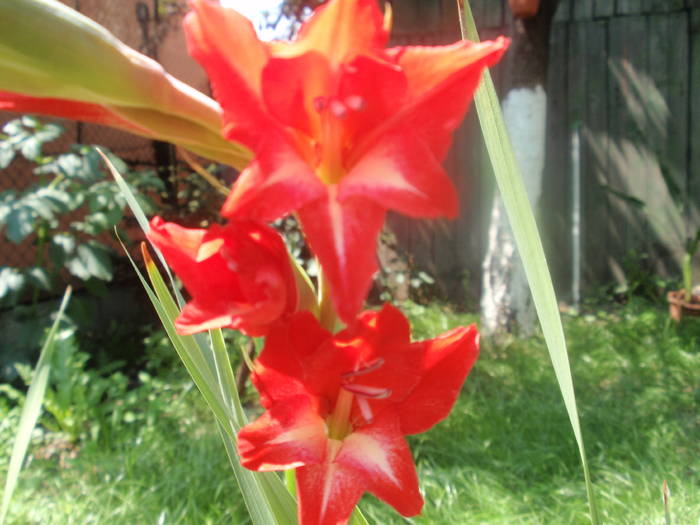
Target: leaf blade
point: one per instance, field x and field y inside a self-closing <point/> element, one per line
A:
<point x="522" y="221"/>
<point x="32" y="409"/>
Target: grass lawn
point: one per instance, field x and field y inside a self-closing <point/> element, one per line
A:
<point x="506" y="455"/>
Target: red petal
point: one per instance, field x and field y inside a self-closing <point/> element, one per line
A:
<point x="383" y="329"/>
<point x="224" y="42"/>
<point x="343" y="235"/>
<point x="300" y="356"/>
<point x="374" y="459"/>
<point x="280" y="370"/>
<point x="288" y="435"/>
<point x="327" y="493"/>
<point x="374" y="352"/>
<point x="427" y="67"/>
<point x="380" y="453"/>
<point x="446" y="364"/>
<point x="291" y="86"/>
<point x="375" y="88"/>
<point x="239" y="276"/>
<point x="69" y="109"/>
<point x="276" y="183"/>
<point x="343" y="29"/>
<point x="387" y="334"/>
<point x="400" y="172"/>
<point x="441" y="84"/>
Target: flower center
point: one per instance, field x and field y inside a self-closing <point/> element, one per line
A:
<point x="339" y="422"/>
<point x="334" y="112"/>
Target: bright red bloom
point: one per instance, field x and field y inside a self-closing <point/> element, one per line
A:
<point x="239" y="275"/>
<point x="342" y="128"/>
<point x="338" y="408"/>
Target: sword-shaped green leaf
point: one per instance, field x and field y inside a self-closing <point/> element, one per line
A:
<point x="267" y="499"/>
<point x="31" y="409"/>
<point x="522" y="221"/>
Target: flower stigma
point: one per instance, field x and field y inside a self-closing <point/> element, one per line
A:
<point x="333" y="113"/>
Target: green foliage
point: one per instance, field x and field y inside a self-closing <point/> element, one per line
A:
<point x="31" y="408"/>
<point x="84" y="404"/>
<point x="504" y="456"/>
<point x="641" y="280"/>
<point x="166" y="469"/>
<point x="64" y="212"/>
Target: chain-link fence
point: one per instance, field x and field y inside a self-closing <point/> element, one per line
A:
<point x="142" y="25"/>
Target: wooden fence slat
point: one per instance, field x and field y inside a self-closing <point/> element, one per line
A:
<point x="563" y="13"/>
<point x="665" y="108"/>
<point x="660" y="6"/>
<point x="467" y="233"/>
<point x="629" y="7"/>
<point x="493" y="15"/>
<point x="614" y="64"/>
<point x="603" y="8"/>
<point x="594" y="141"/>
<point x="694" y="168"/>
<point x="583" y="10"/>
<point x="628" y="165"/>
<point x="478" y="12"/>
<point x="679" y="95"/>
<point x="556" y="196"/>
<point x="416" y="16"/>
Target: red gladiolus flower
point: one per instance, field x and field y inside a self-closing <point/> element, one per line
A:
<point x="342" y="128"/>
<point x="338" y="408"/>
<point x="239" y="275"/>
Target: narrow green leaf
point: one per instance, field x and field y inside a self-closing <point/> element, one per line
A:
<point x="528" y="240"/>
<point x="358" y="518"/>
<point x="126" y="191"/>
<point x="141" y="218"/>
<point x="227" y="381"/>
<point x="266" y="498"/>
<point x="250" y="485"/>
<point x="265" y="495"/>
<point x="187" y="349"/>
<point x="31" y="409"/>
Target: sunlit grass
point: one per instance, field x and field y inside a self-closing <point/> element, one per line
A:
<point x="173" y="472"/>
<point x="505" y="456"/>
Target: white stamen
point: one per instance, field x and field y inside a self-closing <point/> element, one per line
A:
<point x="338" y="109"/>
<point x="355" y="102"/>
<point x="374" y="365"/>
<point x="371" y="392"/>
<point x="365" y="409"/>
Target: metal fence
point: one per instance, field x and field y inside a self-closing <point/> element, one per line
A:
<point x="141" y="25"/>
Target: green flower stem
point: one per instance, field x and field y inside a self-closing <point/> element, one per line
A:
<point x="291" y="481"/>
<point x="339" y="422"/>
<point x="327" y="315"/>
<point x="687" y="277"/>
